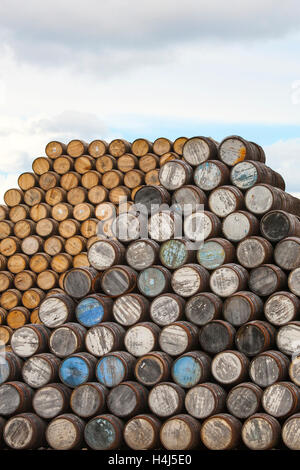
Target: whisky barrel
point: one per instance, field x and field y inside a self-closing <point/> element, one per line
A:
<point x="191" y="368"/>
<point x="205" y="400"/>
<point x="83" y="164"/>
<point x="55" y="196"/>
<point x="55" y="149"/>
<point x="62" y="211"/>
<point x="83" y="211"/>
<point x="40" y="370"/>
<point x="93" y="309"/>
<point x="290" y="432"/>
<point x="203" y="308"/>
<point x="56" y="310"/>
<point x="81" y="260"/>
<point x="34" y="317"/>
<point x="133" y="178"/>
<point x="151" y="178"/>
<point x="6" y="229"/>
<point x="4" y="211"/>
<point x="90" y="179"/>
<point x="34" y="196"/>
<point x="287" y="253"/>
<point x="216" y="336"/>
<point x="13" y="197"/>
<point x="89" y="228"/>
<point x="230" y="367"/>
<point x="118" y="280"/>
<point x="178" y="338"/>
<point x="254" y="251"/>
<point x="153" y="281"/>
<point x="164" y="225"/>
<point x="114" y="368"/>
<point x="105" y="253"/>
<point x="152" y="197"/>
<point x="68" y="228"/>
<point x="166" y="309"/>
<point x="105" y="163"/>
<point x="41" y="165"/>
<point x="162" y="145"/>
<point x="25" y="280"/>
<point x="211" y="174"/>
<point x="269" y="367"/>
<point x="180" y="432"/>
<point x="127" y="399"/>
<point x="51" y="400"/>
<point x="39" y="262"/>
<point x="61" y="262"/>
<point x="119" y="195"/>
<point x="8" y="247"/>
<point x="3" y="314"/>
<point x="166" y="399"/>
<point x="142" y="432"/>
<point x="15" y="397"/>
<point x="235" y="149"/>
<point x="130" y="309"/>
<point x="113" y="178"/>
<point x="88" y="399"/>
<point x="215" y="252"/>
<point x="228" y="279"/>
<point x="221" y="432"/>
<point x="281" y="308"/>
<point x="142" y="338"/>
<point x="178" y="145"/>
<point x="46" y="227"/>
<point x="225" y="200"/>
<point x="255" y="337"/>
<point x="65" y="432"/>
<point x="242" y="307"/>
<point x="176" y="253"/>
<point x="97" y="148"/>
<point x="54" y="245"/>
<point x="75" y="245"/>
<point x="278" y="224"/>
<point x="105" y="211"/>
<point x="118" y="147"/>
<point x="239" y="225"/>
<point x="281" y="399"/>
<point x="175" y="174"/>
<point x="267" y="279"/>
<point x="261" y="432"/>
<point x="104" y="432"/>
<point x="76" y="148"/>
<point x="153" y="368"/>
<point x="24" y="228"/>
<point x="148" y="162"/>
<point x="188" y="199"/>
<point x="10" y="367"/>
<point x="5" y="335"/>
<point x="288" y="337"/>
<point x="24" y="431"/>
<point x="63" y="164"/>
<point x="17" y="317"/>
<point x="77" y="196"/>
<point x="49" y="180"/>
<point x="27" y="180"/>
<point x="141" y="147"/>
<point x="70" y="180"/>
<point x="32" y="245"/>
<point x="294" y="281"/>
<point x="104" y="338"/>
<point x="246" y="174"/>
<point x="19" y="212"/>
<point x="244" y="400"/>
<point x="142" y="253"/>
<point x="189" y="280"/>
<point x="201" y="225"/>
<point x="78" y="281"/>
<point x="263" y="198"/>
<point x="67" y="339"/>
<point x="199" y="149"/>
<point x="11" y="298"/>
<point x="40" y="211"/>
<point x="77" y="369"/>
<point x="30" y="340"/>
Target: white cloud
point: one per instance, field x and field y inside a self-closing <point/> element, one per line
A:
<point x="284" y="157"/>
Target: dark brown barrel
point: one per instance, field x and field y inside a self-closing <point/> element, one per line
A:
<point x="56" y="310"/>
<point x="166" y="399"/>
<point x="30" y="340"/>
<point x="281" y="399"/>
<point x="230" y="367"/>
<point x="244" y="400"/>
<point x="178" y="338"/>
<point x="103" y="254"/>
<point x="267" y="279"/>
<point x="130" y="309"/>
<point x="176" y="253"/>
<point x="65" y="432"/>
<point x="62" y="211"/>
<point x="211" y="175"/>
<point x="162" y="145"/>
<point x="242" y="307"/>
<point x="104" y="338"/>
<point x="205" y="400"/>
<point x="67" y="339"/>
<point x="127" y="399"/>
<point x="281" y="308"/>
<point x="94" y="309"/>
<point x="25" y="280"/>
<point x="142" y="253"/>
<point x="152" y="196"/>
<point x="175" y="174"/>
<point x="153" y="281"/>
<point x="189" y="280"/>
<point x="216" y="336"/>
<point x="221" y="432"/>
<point x="235" y="149"/>
<point x="104" y="432"/>
<point x="40" y="369"/>
<point x="288" y="337"/>
<point x="191" y="368"/>
<point x="290" y="432"/>
<point x="203" y="308"/>
<point x="51" y="400"/>
<point x="215" y="252"/>
<point x="201" y="225"/>
<point x="199" y="149"/>
<point x="239" y="225"/>
<point x="118" y="280"/>
<point x="167" y="308"/>
<point x="19" y="212"/>
<point x="88" y="399"/>
<point x="189" y="199"/>
<point x="277" y="224"/>
<point x="294" y="281"/>
<point x="254" y="251"/>
<point x="142" y="432"/>
<point x="181" y="432"/>
<point x="225" y="200"/>
<point x="153" y="368"/>
<point x="269" y="367"/>
<point x="114" y="368"/>
<point x="15" y="397"/>
<point x="24" y="431"/>
<point x="78" y="281"/>
<point x="164" y="225"/>
<point x="142" y="338"/>
<point x="10" y="367"/>
<point x="9" y="246"/>
<point x="287" y="253"/>
<point x="228" y="279"/>
<point x="261" y="432"/>
<point x="255" y="337"/>
<point x="13" y="197"/>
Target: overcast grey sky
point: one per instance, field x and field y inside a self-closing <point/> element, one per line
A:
<point x="117" y="68"/>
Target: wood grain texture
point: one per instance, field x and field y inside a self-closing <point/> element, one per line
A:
<point x="261" y="432"/>
<point x="204" y="400"/>
<point x="166" y="399"/>
<point x="51" y="400"/>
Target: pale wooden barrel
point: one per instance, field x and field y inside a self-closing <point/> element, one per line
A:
<point x="104" y="338"/>
<point x="178" y="338"/>
<point x="230" y="367"/>
<point x="62" y="211"/>
<point x="63" y="164"/>
<point x="88" y="399"/>
<point x="215" y="252"/>
<point x="181" y="432"/>
<point x="278" y="224"/>
<point x="235" y="149"/>
<point x="83" y="164"/>
<point x="40" y="369"/>
<point x="40" y="211"/>
<point x="211" y="175"/>
<point x="153" y="368"/>
<point x="261" y="432"/>
<point x="118" y="280"/>
<point x="175" y="174"/>
<point x="118" y="147"/>
<point x="148" y="162"/>
<point x="13" y="197"/>
<point x="281" y="399"/>
<point x="152" y="197"/>
<point x="133" y="178"/>
<point x="78" y="282"/>
<point x="24" y="431"/>
<point x="51" y="400"/>
<point x="288" y="338"/>
<point x="90" y="179"/>
<point x="225" y="200"/>
<point x="142" y="432"/>
<point x="67" y="339"/>
<point x="6" y="280"/>
<point x="290" y="432"/>
<point x="49" y="180"/>
<point x="9" y="246"/>
<point x="281" y="308"/>
<point x="216" y="336"/>
<point x="205" y="400"/>
<point x="130" y="309"/>
<point x="4" y="210"/>
<point x="191" y="368"/>
<point x="41" y="165"/>
<point x="113" y="178"/>
<point x="75" y="245"/>
<point x="32" y="245"/>
<point x="269" y="367"/>
<point x="244" y="400"/>
<point x="141" y="147"/>
<point x="25" y="280"/>
<point x="189" y="199"/>
<point x="203" y="308"/>
<point x="125" y="227"/>
<point x="127" y="399"/>
<point x="30" y="340"/>
<point x="17" y="263"/>
<point x="10" y="367"/>
<point x="68" y="228"/>
<point x="267" y="279"/>
<point x="199" y="149"/>
<point x="65" y="432"/>
<point x="142" y="338"/>
<point x="246" y="174"/>
<point x="114" y="368"/>
<point x="263" y="198"/>
<point x="254" y="251"/>
<point x="56" y="310"/>
<point x="34" y="196"/>
<point x="19" y="212"/>
<point x="55" y="149"/>
<point x="221" y="432"/>
<point x="97" y="148"/>
<point x="94" y="309"/>
<point x="76" y="148"/>
<point x="105" y="163"/>
<point x="77" y="369"/>
<point x="255" y="337"/>
<point x="142" y="253"/>
<point x="104" y="432"/>
<point x="189" y="280"/>
<point x="242" y="307"/>
<point x="201" y="225"/>
<point x="166" y="309"/>
<point x="294" y="369"/>
<point x="153" y="281"/>
<point x="287" y="253"/>
<point x="55" y="196"/>
<point x="15" y="397"/>
<point x="5" y="335"/>
<point x="176" y="253"/>
<point x="228" y="279"/>
<point x="166" y="399"/>
<point x="47" y="280"/>
<point x="83" y="211"/>
<point x="239" y="225"/>
<point x="103" y="254"/>
<point x="164" y="225"/>
<point x="162" y="145"/>
<point x="294" y="281"/>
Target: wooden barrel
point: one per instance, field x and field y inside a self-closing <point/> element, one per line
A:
<point x="142" y="432"/>
<point x="133" y="178"/>
<point x="105" y="163"/>
<point x="127" y="399"/>
<point x="290" y="432"/>
<point x="242" y="307"/>
<point x="9" y="246"/>
<point x="63" y="164"/>
<point x="294" y="370"/>
<point x="216" y="336"/>
<point x="166" y="399"/>
<point x="27" y="180"/>
<point x="118" y="147"/>
<point x="32" y="245"/>
<point x="189" y="280"/>
<point x="6" y="229"/>
<point x="17" y="317"/>
<point x="178" y="338"/>
<point x="83" y="211"/>
<point x="153" y="281"/>
<point x="255" y="337"/>
<point x="244" y="400"/>
<point x="77" y="369"/>
<point x="162" y="145"/>
<point x="188" y="199"/>
<point x="32" y="297"/>
<point x="281" y="399"/>
<point x="78" y="281"/>
<point x="294" y="281"/>
<point x="261" y="432"/>
<point x="15" y="397"/>
<point x="75" y="245"/>
<point x="51" y="400"/>
<point x="191" y="368"/>
<point x="61" y="262"/>
<point x="4" y="210"/>
<point x="246" y="174"/>
<point x="56" y="310"/>
<point x="235" y="149"/>
<point x="153" y="368"/>
<point x="199" y="149"/>
<point x="175" y="174"/>
<point x="114" y="368"/>
<point x="10" y="367"/>
<point x="263" y="198"/>
<point x="113" y="178"/>
<point x="76" y="196"/>
<point x="97" y="148"/>
<point x="203" y="308"/>
<point x="105" y="253"/>
<point x="49" y="180"/>
<point x="54" y="245"/>
<point x="281" y="308"/>
<point x="24" y="431"/>
<point x="141" y="147"/>
<point x="277" y="224"/>
<point x="267" y="279"/>
<point x="201" y="225"/>
<point x="11" y="298"/>
<point x="76" y="148"/>
<point x="62" y="211"/>
<point x="55" y="149"/>
<point x="39" y="262"/>
<point x="88" y="399"/>
<point x="130" y="309"/>
<point x="254" y="251"/>
<point x="176" y="253"/>
<point x="5" y="335"/>
<point x="30" y="340"/>
<point x="142" y="253"/>
<point x="269" y="367"/>
<point x="83" y="164"/>
<point x="215" y="252"/>
<point x="104" y="432"/>
<point x="287" y="253"/>
<point x="224" y="200"/>
<point x="89" y="228"/>
<point x="288" y="337"/>
<point x="25" y="280"/>
<point x="67" y="339"/>
<point x="3" y="314"/>
<point x="19" y="212"/>
<point x="228" y="279"/>
<point x="118" y="280"/>
<point x="178" y="145"/>
<point x="65" y="432"/>
<point x="90" y="179"/>
<point x="46" y="227"/>
<point x="40" y="211"/>
<point x="41" y="165"/>
<point x="166" y="309"/>
<point x="152" y="197"/>
<point x="211" y="175"/>
<point x="34" y="196"/>
<point x="142" y="338"/>
<point x="40" y="369"/>
<point x="55" y="196"/>
<point x="13" y="197"/>
<point x="221" y="432"/>
<point x="205" y="400"/>
<point x="239" y="225"/>
<point x="148" y="162"/>
<point x="94" y="309"/>
<point x="181" y="432"/>
<point x="164" y="225"/>
<point x="24" y="228"/>
<point x="104" y="338"/>
<point x="230" y="367"/>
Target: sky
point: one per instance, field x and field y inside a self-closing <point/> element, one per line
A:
<point x="129" y="69"/>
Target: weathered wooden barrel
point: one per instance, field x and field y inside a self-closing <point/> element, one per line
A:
<point x="199" y="149"/>
<point x="17" y="317"/>
<point x="203" y="308"/>
<point x="61" y="262"/>
<point x="293" y="281"/>
<point x="10" y="367"/>
<point x="166" y="399"/>
<point x="15" y="397"/>
<point x="55" y="196"/>
<point x="88" y="399"/>
<point x="76" y="148"/>
<point x="63" y="164"/>
<point x="215" y="252"/>
<point x="239" y="225"/>
<point x="216" y="336"/>
<point x="221" y="432"/>
<point x="7" y="228"/>
<point x="19" y="212"/>
<point x="153" y="368"/>
<point x="191" y="368"/>
<point x="83" y="164"/>
<point x="142" y="338"/>
<point x="5" y="335"/>
<point x="180" y="432"/>
<point x="65" y="432"/>
<point x="287" y="253"/>
<point x="93" y="309"/>
<point x="290" y="432"/>
<point x="288" y="338"/>
<point x="261" y="432"/>
<point x="142" y="253"/>
<point x="162" y="145"/>
<point x="10" y="299"/>
<point x="97" y="148"/>
<point x="32" y="297"/>
<point x="201" y="225"/>
<point x="175" y="253"/>
<point x="276" y="225"/>
<point x="281" y="399"/>
<point x="166" y="309"/>
<point x="267" y="279"/>
<point x="127" y="399"/>
<point x="40" y="369"/>
<point x="30" y="340"/>
<point x="34" y="196"/>
<point x="55" y="149"/>
<point x="9" y="246"/>
<point x="263" y="198"/>
<point x="294" y="369"/>
<point x="78" y="282"/>
<point x="114" y="368"/>
<point x="175" y="174"/>
<point x="47" y="280"/>
<point x="246" y="174"/>
<point x="77" y="369"/>
<point x="142" y="432"/>
<point x="151" y="178"/>
<point x="153" y="281"/>
<point x="188" y="199"/>
<point x="118" y="147"/>
<point x="118" y="280"/>
<point x="211" y="175"/>
<point x="281" y="308"/>
<point x="17" y="263"/>
<point x="4" y="211"/>
<point x="13" y="197"/>
<point x="67" y="339"/>
<point x="189" y="280"/>
<point x="178" y="338"/>
<point x="56" y="310"/>
<point x="75" y="245"/>
<point x="62" y="211"/>
<point x="83" y="211"/>
<point x="152" y="197"/>
<point x="24" y="431"/>
<point x="141" y="147"/>
<point x="51" y="400"/>
<point x="40" y="212"/>
<point x="228" y="279"/>
<point x="164" y="225"/>
<point x="104" y="432"/>
<point x="269" y="367"/>
<point x="105" y="163"/>
<point x="133" y="178"/>
<point x="224" y="200"/>
<point x="254" y="251"/>
<point x="32" y="245"/>
<point x="235" y="149"/>
<point x="68" y="228"/>
<point x="104" y="338"/>
<point x="41" y="165"/>
<point x="6" y="280"/>
<point x="148" y="162"/>
<point x="90" y="179"/>
<point x="255" y="337"/>
<point x="205" y="400"/>
<point x="242" y="307"/>
<point x="113" y="178"/>
<point x="103" y="254"/>
<point x="230" y="367"/>
<point x="244" y="400"/>
<point x="130" y="309"/>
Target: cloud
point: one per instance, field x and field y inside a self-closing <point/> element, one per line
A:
<point x="283" y="156"/>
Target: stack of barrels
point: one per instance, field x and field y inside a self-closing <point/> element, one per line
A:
<point x="150" y="299"/>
